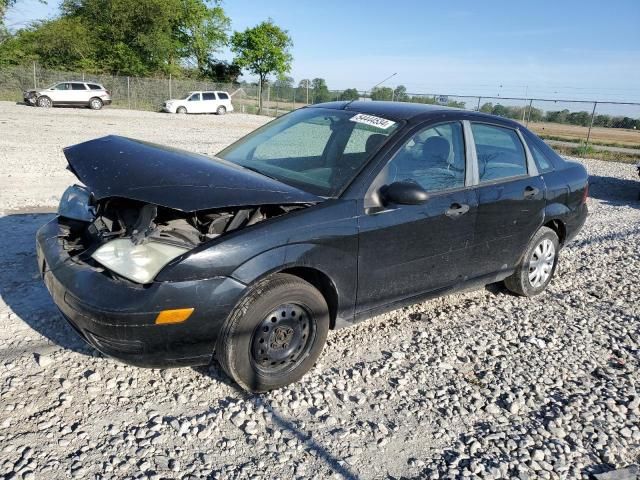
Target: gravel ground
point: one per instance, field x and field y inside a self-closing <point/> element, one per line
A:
<point x="477" y="385"/>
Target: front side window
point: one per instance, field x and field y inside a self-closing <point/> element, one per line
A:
<point x="78" y="86"/>
<point x="63" y="86"/>
<point x="434" y="158"/>
<point x="500" y="152"/>
<point x="315" y="149"/>
<point x="195" y="97"/>
<point x="208" y="96"/>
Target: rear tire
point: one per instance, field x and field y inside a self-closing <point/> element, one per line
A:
<point x="181" y="110"/>
<point x="221" y="110"/>
<point x="275" y="334"/>
<point x="44" y="102"/>
<point x="95" y="104"/>
<point x="538" y="264"/>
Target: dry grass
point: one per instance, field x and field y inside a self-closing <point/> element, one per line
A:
<point x="601" y="135"/>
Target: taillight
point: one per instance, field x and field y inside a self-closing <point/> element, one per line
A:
<point x="108" y="92"/>
<point x="585" y="193"/>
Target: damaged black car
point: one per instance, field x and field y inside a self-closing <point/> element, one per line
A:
<point x="321" y="218"/>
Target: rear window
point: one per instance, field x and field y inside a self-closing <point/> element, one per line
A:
<point x="208" y="96"/>
<point x="223" y="96"/>
<point x="93" y="86"/>
<point x="78" y="86"/>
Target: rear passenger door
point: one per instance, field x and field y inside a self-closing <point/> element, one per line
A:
<point x="209" y="102"/>
<point x="511" y="198"/>
<point x="79" y="94"/>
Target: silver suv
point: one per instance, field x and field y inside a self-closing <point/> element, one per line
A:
<point x="85" y="94"/>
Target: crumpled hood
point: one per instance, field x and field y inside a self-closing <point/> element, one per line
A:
<point x="115" y="166"/>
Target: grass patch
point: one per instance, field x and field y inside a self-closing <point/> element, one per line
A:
<point x="592" y="142"/>
<point x="587" y="151"/>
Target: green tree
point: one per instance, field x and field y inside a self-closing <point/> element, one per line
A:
<point x="381" y="93"/>
<point x="263" y="50"/>
<point x="400" y="94"/>
<point x="320" y="90"/>
<point x="350" y="94"/>
<point x="222" y="71"/>
<point x="303" y="89"/>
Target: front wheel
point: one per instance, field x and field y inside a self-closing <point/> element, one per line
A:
<point x="44" y="102"/>
<point x="181" y="110"/>
<point x="537" y="266"/>
<point x="275" y="334"/>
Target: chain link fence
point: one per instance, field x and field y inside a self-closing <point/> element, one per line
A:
<point x="607" y="130"/>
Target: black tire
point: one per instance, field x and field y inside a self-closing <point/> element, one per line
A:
<point x="181" y="110"/>
<point x="520" y="282"/>
<point x="221" y="110"/>
<point x="44" y="102"/>
<point x="244" y="332"/>
<point x="95" y="103"/>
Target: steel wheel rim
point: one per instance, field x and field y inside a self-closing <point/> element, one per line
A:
<point x="541" y="263"/>
<point x="283" y="339"/>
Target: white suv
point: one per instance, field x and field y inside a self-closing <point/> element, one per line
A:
<point x="86" y="94"/>
<point x="200" y="102"/>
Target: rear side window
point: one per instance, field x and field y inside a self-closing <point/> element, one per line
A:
<point x="93" y="86"/>
<point x="195" y="97"/>
<point x="223" y="96"/>
<point x="542" y="162"/>
<point x="78" y="86"/>
<point x="208" y="96"/>
<point x="500" y="152"/>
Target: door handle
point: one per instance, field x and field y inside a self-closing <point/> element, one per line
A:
<point x="456" y="210"/>
<point x="531" y="192"/>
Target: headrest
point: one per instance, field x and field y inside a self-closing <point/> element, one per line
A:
<point x="373" y="142"/>
<point x="438" y="147"/>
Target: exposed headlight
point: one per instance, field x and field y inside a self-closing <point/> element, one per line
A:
<point x="74" y="204"/>
<point x="139" y="263"/>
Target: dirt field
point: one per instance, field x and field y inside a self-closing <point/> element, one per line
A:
<point x="480" y="385"/>
<point x="618" y="136"/>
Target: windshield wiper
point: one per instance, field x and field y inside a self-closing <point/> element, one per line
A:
<point x="261" y="173"/>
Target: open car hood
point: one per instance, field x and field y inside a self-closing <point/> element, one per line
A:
<point x="115" y="166"/>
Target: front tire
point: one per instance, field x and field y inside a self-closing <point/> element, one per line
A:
<point x="275" y="334"/>
<point x="181" y="110"/>
<point x="535" y="271"/>
<point x="44" y="102"/>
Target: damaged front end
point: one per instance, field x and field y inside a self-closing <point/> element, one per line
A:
<point x="135" y="240"/>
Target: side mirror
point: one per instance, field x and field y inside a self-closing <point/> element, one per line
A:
<point x="403" y="193"/>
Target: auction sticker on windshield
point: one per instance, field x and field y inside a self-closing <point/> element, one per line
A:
<point x="372" y="120"/>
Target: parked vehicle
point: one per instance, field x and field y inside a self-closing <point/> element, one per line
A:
<point x="200" y="102"/>
<point x="319" y="219"/>
<point x="85" y="94"/>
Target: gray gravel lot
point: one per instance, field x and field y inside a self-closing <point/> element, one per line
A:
<point x="477" y="385"/>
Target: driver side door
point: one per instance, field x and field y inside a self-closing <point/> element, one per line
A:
<point x="406" y="251"/>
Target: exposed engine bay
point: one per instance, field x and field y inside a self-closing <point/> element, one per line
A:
<point x="143" y="222"/>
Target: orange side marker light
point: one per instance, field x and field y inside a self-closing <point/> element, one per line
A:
<point x="178" y="315"/>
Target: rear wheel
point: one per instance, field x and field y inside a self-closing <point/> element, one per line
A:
<point x="44" y="102"/>
<point x="275" y="334"/>
<point x="95" y="104"/>
<point x="181" y="110"/>
<point x="221" y="110"/>
<point x="537" y="266"/>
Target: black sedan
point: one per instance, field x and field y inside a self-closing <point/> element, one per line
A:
<point x="319" y="219"/>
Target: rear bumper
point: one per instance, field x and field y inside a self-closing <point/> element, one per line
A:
<point x="117" y="317"/>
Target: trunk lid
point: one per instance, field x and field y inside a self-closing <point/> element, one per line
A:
<point x="115" y="166"/>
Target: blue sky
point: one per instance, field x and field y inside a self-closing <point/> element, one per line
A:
<point x="554" y="49"/>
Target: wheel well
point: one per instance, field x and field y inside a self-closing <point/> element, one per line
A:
<point x="324" y="285"/>
<point x="558" y="227"/>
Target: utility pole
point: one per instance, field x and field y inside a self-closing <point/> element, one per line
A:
<point x="307" y="82"/>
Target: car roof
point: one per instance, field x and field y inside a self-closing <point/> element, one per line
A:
<point x="399" y="111"/>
